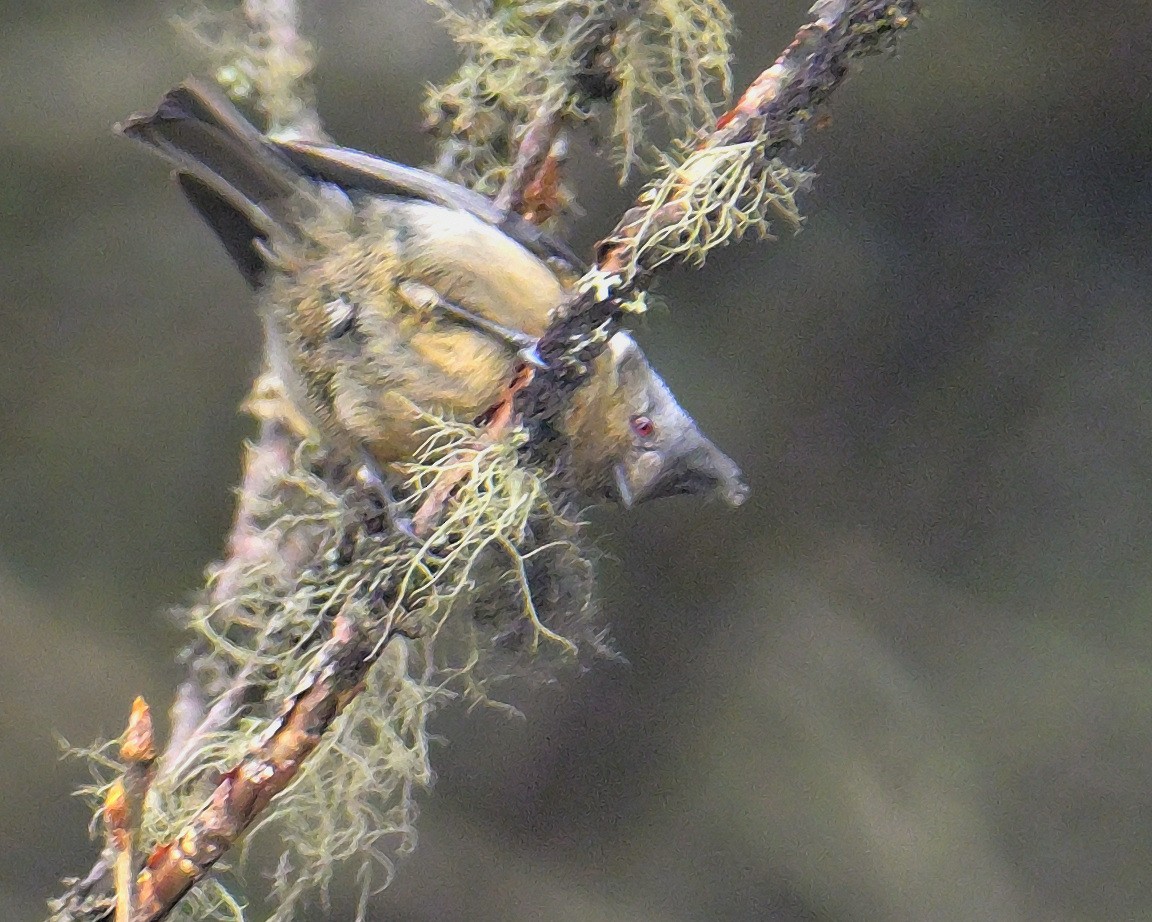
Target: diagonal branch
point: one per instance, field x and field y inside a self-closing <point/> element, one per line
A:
<point x="242" y="794"/>
<point x="770" y="119"/>
<point x="777" y="108"/>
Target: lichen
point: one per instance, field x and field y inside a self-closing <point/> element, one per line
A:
<point x="255" y="62"/>
<point x="663" y="66"/>
<point x="711" y="197"/>
<point x="500" y="587"/>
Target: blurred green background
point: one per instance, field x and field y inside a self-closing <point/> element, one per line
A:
<point x="910" y="680"/>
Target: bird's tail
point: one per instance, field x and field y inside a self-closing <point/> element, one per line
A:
<point x="234" y="177"/>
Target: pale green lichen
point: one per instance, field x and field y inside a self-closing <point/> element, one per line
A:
<point x="662" y="62"/>
<point x="258" y="56"/>
<point x="500" y="587"/>
<point x="713" y="197"/>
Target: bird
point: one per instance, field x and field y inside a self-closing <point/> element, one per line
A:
<point x="389" y="293"/>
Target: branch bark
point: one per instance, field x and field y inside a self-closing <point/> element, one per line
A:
<point x="243" y="793"/>
<point x="775" y="113"/>
<point x="533" y="187"/>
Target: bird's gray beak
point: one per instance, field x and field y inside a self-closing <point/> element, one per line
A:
<point x="711" y="472"/>
<point x="701" y="470"/>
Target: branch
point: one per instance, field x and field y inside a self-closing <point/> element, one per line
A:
<point x="533" y="186"/>
<point x="270" y="63"/>
<point x="242" y="794"/>
<point x="726" y="185"/>
<point x="532" y="189"/>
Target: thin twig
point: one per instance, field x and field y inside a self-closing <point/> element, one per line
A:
<point x="533" y="186"/>
<point x="124" y="805"/>
<point x="534" y="158"/>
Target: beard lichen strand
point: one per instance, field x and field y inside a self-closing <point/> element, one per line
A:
<point x="502" y="587"/>
<point x="667" y="56"/>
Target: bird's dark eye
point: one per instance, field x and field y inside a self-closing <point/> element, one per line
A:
<point x="643" y="427"/>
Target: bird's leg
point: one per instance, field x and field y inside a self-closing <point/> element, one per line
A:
<point x="429" y="298"/>
<point x="380" y="492"/>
